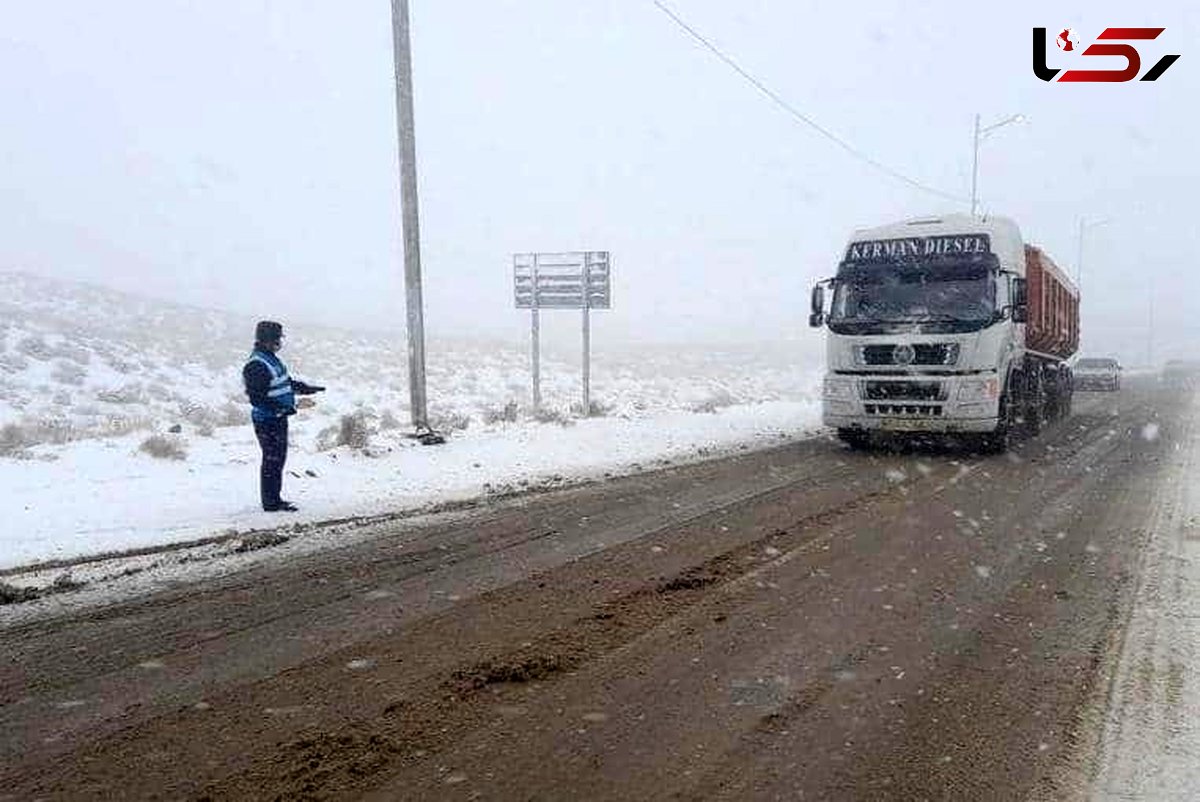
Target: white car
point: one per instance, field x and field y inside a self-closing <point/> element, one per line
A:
<point x="1098" y="374"/>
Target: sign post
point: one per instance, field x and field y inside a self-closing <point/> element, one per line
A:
<point x="575" y="280"/>
<point x="587" y="340"/>
<point x="536" y="336"/>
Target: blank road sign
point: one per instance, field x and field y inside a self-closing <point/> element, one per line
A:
<point x="558" y="279"/>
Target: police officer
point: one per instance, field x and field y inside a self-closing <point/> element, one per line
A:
<point x="272" y="394"/>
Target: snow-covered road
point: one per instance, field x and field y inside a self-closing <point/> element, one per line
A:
<point x="1151" y="745"/>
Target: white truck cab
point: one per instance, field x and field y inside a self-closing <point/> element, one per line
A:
<point x="926" y="327"/>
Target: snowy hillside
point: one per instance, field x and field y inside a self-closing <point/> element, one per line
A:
<point x="123" y="423"/>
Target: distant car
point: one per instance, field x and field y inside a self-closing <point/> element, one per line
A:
<point x="1097" y="374"/>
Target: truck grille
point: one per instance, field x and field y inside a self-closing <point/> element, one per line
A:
<point x="905" y="410"/>
<point x="923" y="354"/>
<point x="902" y="391"/>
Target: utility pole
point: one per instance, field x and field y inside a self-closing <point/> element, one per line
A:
<point x="536" y="337"/>
<point x="1150" y="326"/>
<point x="406" y="134"/>
<point x="587" y="336"/>
<point x="1084" y="225"/>
<point x="980" y="135"/>
<point x="1079" y="259"/>
<point x="975" y="168"/>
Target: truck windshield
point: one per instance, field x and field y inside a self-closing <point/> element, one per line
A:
<point x="964" y="294"/>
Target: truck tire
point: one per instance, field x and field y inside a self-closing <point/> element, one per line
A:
<point x="998" y="441"/>
<point x="1035" y="405"/>
<point x="857" y="439"/>
<point x="1034" y="418"/>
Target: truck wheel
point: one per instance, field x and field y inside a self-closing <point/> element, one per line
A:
<point x="998" y="441"/>
<point x="1034" y="418"/>
<point x="1035" y="407"/>
<point x="1057" y="403"/>
<point x="855" y="438"/>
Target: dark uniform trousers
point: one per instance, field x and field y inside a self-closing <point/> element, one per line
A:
<point x="273" y="437"/>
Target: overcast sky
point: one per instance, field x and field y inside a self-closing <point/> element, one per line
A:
<point x="241" y="154"/>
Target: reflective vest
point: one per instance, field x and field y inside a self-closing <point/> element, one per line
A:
<point x="279" y="391"/>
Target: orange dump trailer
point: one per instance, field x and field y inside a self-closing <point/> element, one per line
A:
<point x="1053" y="324"/>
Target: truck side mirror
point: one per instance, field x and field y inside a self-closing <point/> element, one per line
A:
<point x="817" y="318"/>
<point x="1020" y="310"/>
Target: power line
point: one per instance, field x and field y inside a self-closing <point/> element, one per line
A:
<point x="797" y="114"/>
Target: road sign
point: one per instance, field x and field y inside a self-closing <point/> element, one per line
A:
<point x="560" y="278"/>
<point x="574" y="280"/>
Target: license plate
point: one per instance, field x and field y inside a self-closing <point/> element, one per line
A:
<point x="916" y="425"/>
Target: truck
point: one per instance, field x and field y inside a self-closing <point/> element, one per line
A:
<point x="950" y="324"/>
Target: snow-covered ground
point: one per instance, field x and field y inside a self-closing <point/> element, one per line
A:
<point x="88" y="375"/>
<point x="1151" y="743"/>
<point x="103" y="495"/>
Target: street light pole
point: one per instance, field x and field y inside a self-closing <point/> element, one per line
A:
<point x="1079" y="259"/>
<point x="980" y="135"/>
<point x="406" y="134"/>
<point x="1084" y="225"/>
<point x="975" y="169"/>
<point x="1150" y="325"/>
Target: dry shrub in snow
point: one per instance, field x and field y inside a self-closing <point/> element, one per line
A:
<point x="161" y="446"/>
<point x="504" y="414"/>
<point x="196" y="414"/>
<point x="388" y="421"/>
<point x="327" y="438"/>
<point x="13" y="439"/>
<point x="117" y="426"/>
<point x="353" y="431"/>
<point x="126" y="394"/>
<point x="202" y="415"/>
<point x="597" y="409"/>
<point x="53" y="430"/>
<point x="549" y="415"/>
<point x="449" y="421"/>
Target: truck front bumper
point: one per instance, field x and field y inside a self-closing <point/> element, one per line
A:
<point x="936" y="403"/>
<point x="906" y="424"/>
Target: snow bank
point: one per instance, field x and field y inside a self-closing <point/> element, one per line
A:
<point x="94" y="383"/>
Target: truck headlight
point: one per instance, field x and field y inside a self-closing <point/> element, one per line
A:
<point x="976" y="390"/>
<point x="839" y="388"/>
